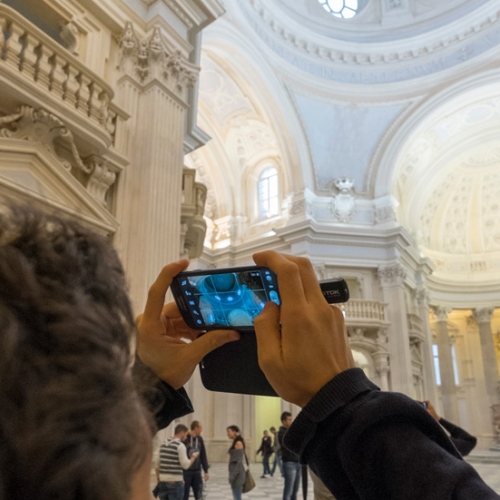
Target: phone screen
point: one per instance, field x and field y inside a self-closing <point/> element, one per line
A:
<point x="212" y="299"/>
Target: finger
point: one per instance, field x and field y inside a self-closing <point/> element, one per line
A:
<point x="310" y="283"/>
<point x="158" y="290"/>
<point x="289" y="279"/>
<point x="199" y="348"/>
<point x="267" y="331"/>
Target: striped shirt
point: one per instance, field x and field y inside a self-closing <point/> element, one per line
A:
<point x="173" y="458"/>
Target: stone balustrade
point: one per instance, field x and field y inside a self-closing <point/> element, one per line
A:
<point x="38" y="67"/>
<point x="365" y="311"/>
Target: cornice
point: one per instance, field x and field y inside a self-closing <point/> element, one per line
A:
<point x="414" y="58"/>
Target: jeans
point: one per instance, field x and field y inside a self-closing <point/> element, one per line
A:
<point x="279" y="462"/>
<point x="192" y="479"/>
<point x="170" y="491"/>
<point x="237" y="492"/>
<point x="292" y="480"/>
<point x="265" y="463"/>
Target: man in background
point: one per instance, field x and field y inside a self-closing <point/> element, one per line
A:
<point x="277" y="452"/>
<point x="291" y="465"/>
<point x="192" y="476"/>
<point x="173" y="460"/>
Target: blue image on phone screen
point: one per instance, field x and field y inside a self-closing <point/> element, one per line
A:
<point x="230" y="299"/>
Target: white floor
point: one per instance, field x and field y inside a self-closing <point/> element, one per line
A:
<point x="217" y="488"/>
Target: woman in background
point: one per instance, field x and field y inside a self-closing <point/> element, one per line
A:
<point x="236" y="467"/>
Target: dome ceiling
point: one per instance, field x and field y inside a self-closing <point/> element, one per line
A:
<point x="449" y="189"/>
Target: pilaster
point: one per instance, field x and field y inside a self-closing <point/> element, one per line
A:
<point x="152" y="87"/>
<point x="490" y="367"/>
<point x="448" y="387"/>
<point x="391" y="279"/>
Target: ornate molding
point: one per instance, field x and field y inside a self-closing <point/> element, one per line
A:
<point x="39" y="125"/>
<point x="385" y="214"/>
<point x="152" y="58"/>
<point x="382" y="65"/>
<point x="422" y="296"/>
<point x="391" y="275"/>
<point x="483" y="315"/>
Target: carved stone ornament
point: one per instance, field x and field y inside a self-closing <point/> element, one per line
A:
<point x="70" y="35"/>
<point x="483" y="315"/>
<point x="441" y="313"/>
<point x="38" y="125"/>
<point x="385" y="214"/>
<point x="422" y="296"/>
<point x="343" y="203"/>
<point x="391" y="275"/>
<point x="45" y="128"/>
<point x="152" y="58"/>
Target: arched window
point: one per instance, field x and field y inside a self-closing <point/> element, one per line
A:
<point x="268" y="193"/>
<point x="341" y="8"/>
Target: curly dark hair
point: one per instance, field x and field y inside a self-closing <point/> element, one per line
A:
<point x="72" y="425"/>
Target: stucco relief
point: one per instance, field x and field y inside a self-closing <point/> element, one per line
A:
<point x="491" y="212"/>
<point x="152" y="58"/>
<point x="304" y="51"/>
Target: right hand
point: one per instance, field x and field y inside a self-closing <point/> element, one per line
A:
<point x="303" y="343"/>
<point x="432" y="411"/>
<point x="195" y="455"/>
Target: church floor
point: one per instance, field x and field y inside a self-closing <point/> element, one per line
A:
<point x="272" y="488"/>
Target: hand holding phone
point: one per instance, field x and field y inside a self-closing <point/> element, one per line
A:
<point x="160" y="330"/>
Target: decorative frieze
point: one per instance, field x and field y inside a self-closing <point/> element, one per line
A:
<point x="153" y="58"/>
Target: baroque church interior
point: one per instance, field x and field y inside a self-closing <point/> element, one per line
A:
<point x="362" y="134"/>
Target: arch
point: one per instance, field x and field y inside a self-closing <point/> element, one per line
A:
<point x="381" y="179"/>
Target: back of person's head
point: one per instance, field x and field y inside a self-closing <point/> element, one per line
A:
<point x="71" y="423"/>
<point x="285" y="415"/>
<point x="180" y="428"/>
<point x="194" y="424"/>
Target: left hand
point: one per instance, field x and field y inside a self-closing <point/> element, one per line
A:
<point x="160" y="330"/>
<point x="206" y="477"/>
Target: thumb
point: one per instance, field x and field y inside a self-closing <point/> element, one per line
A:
<point x="200" y="347"/>
<point x="267" y="330"/>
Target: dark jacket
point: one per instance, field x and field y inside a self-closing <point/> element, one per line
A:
<point x="370" y="445"/>
<point x="196" y="444"/>
<point x="464" y="442"/>
<point x="286" y="454"/>
<point x="266" y="446"/>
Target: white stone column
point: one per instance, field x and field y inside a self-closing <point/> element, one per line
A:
<point x="429" y="378"/>
<point x="448" y="387"/>
<point x="152" y="89"/>
<point x="391" y="279"/>
<point x="382" y="367"/>
<point x="490" y="366"/>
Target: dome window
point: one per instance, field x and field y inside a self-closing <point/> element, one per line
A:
<point x="344" y="9"/>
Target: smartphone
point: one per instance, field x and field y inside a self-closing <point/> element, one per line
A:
<point x="224" y="298"/>
<point x="231" y="298"/>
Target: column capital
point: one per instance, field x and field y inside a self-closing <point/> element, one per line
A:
<point x="441" y="313"/>
<point x="483" y="315"/>
<point x="422" y="296"/>
<point x="391" y="275"/>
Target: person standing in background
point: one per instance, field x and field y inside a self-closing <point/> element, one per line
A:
<point x="236" y="467"/>
<point x="277" y="452"/>
<point x="291" y="464"/>
<point x="172" y="460"/>
<point x="266" y="448"/>
<point x="192" y="476"/>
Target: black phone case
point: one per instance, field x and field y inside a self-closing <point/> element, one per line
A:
<point x="234" y="368"/>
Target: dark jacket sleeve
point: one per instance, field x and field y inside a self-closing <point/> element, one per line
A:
<point x="367" y="445"/>
<point x="164" y="402"/>
<point x="464" y="441"/>
<point x="203" y="456"/>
